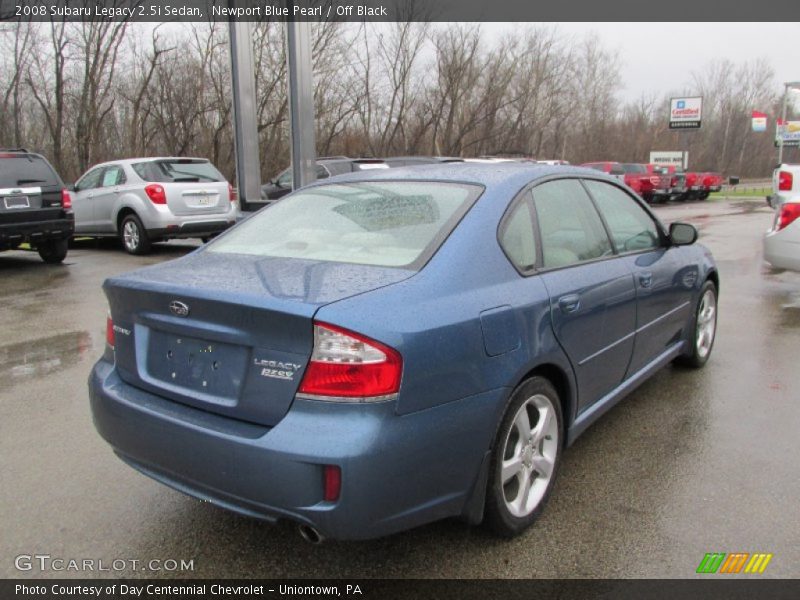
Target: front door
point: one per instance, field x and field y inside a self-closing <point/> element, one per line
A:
<point x="663" y="288"/>
<point x="592" y="293"/>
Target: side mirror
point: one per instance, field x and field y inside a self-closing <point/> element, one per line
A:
<point x="682" y="234"/>
<point x="71" y="187"/>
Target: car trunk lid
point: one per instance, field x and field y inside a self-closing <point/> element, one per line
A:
<point x="228" y="334"/>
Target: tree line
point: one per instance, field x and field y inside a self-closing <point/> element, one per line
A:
<point x="83" y="93"/>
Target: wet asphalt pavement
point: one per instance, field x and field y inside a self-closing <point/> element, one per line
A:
<point x="692" y="462"/>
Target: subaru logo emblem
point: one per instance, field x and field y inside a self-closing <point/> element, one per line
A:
<point x="179" y="308"/>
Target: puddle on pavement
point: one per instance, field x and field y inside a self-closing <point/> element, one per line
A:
<point x="38" y="358"/>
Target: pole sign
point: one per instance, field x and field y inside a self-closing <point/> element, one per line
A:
<point x="759" y="121"/>
<point x="789" y="132"/>
<point x="685" y="113"/>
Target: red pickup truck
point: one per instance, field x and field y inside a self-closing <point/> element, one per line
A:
<point x="689" y="185"/>
<point x="653" y="187"/>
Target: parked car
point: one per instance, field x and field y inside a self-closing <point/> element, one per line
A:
<point x="782" y="241"/>
<point x="35" y="207"/>
<point x="677" y="179"/>
<point x="145" y="200"/>
<point x="281" y="185"/>
<point x="635" y="178"/>
<point x="712" y="182"/>
<point x="345" y="362"/>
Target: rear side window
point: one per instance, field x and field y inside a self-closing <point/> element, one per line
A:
<point x="179" y="170"/>
<point x="517" y="237"/>
<point x="27" y="170"/>
<point x="570" y="228"/>
<point x="387" y="223"/>
<point x="634" y="168"/>
<point x="631" y="228"/>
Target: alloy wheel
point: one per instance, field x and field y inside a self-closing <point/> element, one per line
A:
<point x="706" y="323"/>
<point x="529" y="455"/>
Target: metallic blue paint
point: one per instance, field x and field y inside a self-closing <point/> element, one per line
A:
<point x="469" y="327"/>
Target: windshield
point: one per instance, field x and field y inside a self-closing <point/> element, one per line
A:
<point x="24" y="170"/>
<point x="386" y="223"/>
<point x="177" y="170"/>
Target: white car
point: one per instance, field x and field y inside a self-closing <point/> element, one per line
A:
<point x="144" y="200"/>
<point x="782" y="241"/>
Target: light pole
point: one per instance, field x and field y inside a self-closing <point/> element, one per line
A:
<point x="791" y="85"/>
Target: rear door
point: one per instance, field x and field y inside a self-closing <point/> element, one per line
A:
<point x="592" y="295"/>
<point x="105" y="197"/>
<point x="663" y="282"/>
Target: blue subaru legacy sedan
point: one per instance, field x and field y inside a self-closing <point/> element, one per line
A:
<point x="389" y="348"/>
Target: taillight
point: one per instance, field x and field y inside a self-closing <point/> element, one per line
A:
<point x="350" y="367"/>
<point x="332" y="483"/>
<point x="789" y="212"/>
<point x="66" y="199"/>
<point x="231" y="193"/>
<point x="156" y="193"/>
<point x="785" y="181"/>
<point x="110" y="332"/>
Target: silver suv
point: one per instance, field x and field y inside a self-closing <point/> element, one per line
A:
<point x="144" y="200"/>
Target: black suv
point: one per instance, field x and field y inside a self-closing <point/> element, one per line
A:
<point x="35" y="207"/>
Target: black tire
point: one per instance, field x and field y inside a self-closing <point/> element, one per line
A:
<point x="500" y="495"/>
<point x="703" y="195"/>
<point x="133" y="236"/>
<point x="53" y="252"/>
<point x="698" y="354"/>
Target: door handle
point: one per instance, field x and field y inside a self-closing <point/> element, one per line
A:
<point x="569" y="303"/>
<point x="645" y="279"/>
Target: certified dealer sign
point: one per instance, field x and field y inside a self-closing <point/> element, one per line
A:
<point x="685" y="113"/>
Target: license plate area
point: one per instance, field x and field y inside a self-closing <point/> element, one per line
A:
<point x="211" y="369"/>
<point x="17" y="202"/>
<point x="200" y="200"/>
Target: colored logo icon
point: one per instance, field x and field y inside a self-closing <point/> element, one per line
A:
<point x="734" y="563"/>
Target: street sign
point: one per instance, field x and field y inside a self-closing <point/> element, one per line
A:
<point x="668" y="158"/>
<point x="759" y="121"/>
<point x="685" y="113"/>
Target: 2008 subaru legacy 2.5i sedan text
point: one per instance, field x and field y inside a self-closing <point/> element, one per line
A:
<point x="389" y="348"/>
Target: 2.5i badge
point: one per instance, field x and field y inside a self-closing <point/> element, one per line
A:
<point x="276" y="369"/>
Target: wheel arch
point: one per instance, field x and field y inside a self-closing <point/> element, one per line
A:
<point x="713" y="276"/>
<point x="565" y="388"/>
<point x="123" y="212"/>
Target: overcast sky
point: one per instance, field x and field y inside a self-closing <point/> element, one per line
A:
<point x="661" y="56"/>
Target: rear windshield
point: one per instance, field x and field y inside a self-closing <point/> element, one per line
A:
<point x="18" y="171"/>
<point x="387" y="223"/>
<point x="177" y="170"/>
<point x="633" y="168"/>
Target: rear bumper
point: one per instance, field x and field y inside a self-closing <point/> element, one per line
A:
<point x="33" y="232"/>
<point x="397" y="471"/>
<point x="782" y="248"/>
<point x="191" y="229"/>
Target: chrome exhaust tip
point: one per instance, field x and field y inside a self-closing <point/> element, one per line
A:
<point x="311" y="535"/>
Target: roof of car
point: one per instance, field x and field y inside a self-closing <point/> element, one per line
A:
<point x="131" y="161"/>
<point x="488" y="175"/>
